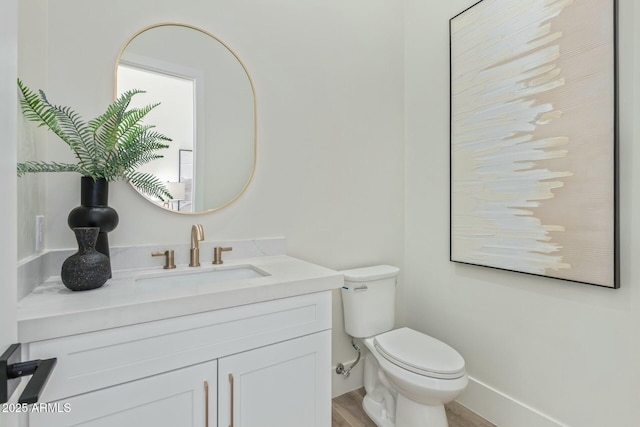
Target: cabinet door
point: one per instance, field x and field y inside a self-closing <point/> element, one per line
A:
<point x="285" y="385"/>
<point x="184" y="397"/>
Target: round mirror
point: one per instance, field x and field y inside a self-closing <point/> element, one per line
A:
<point x="207" y="107"/>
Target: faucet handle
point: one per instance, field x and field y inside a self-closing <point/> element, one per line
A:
<point x="168" y="258"/>
<point x="217" y="254"/>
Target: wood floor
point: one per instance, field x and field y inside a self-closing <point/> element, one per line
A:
<point x="346" y="411"/>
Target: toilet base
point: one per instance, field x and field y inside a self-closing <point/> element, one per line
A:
<point x="377" y="412"/>
<point x="408" y="413"/>
<point x="413" y="414"/>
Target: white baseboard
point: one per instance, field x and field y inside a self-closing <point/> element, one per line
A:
<point x="501" y="409"/>
<point x="341" y="385"/>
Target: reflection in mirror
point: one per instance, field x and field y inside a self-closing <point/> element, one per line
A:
<point x="207" y="107"/>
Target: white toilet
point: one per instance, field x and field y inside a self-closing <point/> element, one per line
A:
<point x="408" y="376"/>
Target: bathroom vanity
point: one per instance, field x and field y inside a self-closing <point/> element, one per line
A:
<point x="244" y="344"/>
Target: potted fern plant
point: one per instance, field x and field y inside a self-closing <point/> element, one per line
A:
<point x="108" y="148"/>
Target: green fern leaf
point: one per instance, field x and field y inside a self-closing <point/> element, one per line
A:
<point x="148" y="184"/>
<point x="35" y="166"/>
<point x="111" y="146"/>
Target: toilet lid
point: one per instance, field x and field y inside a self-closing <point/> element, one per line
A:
<point x="420" y="353"/>
<point x="376" y="272"/>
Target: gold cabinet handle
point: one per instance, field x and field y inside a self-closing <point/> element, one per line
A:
<point x="206" y="404"/>
<point x="231" y="382"/>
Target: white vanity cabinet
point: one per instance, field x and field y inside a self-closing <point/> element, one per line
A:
<point x="176" y="372"/>
<point x="184" y="397"/>
<point x="284" y="385"/>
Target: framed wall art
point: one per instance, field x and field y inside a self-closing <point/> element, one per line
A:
<point x="534" y="138"/>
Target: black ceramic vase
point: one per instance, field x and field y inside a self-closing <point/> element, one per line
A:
<point x="86" y="269"/>
<point x="94" y="211"/>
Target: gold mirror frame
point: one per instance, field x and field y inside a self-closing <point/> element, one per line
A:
<point x="255" y="117"/>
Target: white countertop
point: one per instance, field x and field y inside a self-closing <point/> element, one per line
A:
<point x="52" y="311"/>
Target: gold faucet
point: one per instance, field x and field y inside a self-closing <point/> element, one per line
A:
<point x="197" y="234"/>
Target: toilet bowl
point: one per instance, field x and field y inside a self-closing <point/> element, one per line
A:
<point x="408" y="376"/>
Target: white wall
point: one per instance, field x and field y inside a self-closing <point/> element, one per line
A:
<point x="328" y="80"/>
<point x="32" y="37"/>
<point x="569" y="351"/>
<point x="8" y="217"/>
<point x="8" y="233"/>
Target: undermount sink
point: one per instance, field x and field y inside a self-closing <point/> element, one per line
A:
<point x="199" y="277"/>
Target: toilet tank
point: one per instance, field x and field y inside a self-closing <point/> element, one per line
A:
<point x="368" y="299"/>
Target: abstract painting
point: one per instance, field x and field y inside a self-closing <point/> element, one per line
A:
<point x="534" y="138"/>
